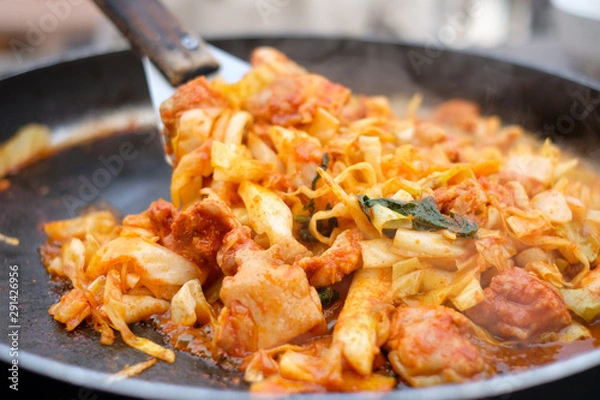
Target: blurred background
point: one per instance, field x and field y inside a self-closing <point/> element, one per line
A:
<point x="555" y="34"/>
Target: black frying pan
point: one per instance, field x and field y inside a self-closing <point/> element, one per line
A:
<point x="110" y="90"/>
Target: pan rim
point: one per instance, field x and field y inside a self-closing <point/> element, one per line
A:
<point x="482" y="53"/>
<point x="135" y="387"/>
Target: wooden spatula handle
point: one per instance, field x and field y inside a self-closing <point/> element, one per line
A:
<point x="155" y="32"/>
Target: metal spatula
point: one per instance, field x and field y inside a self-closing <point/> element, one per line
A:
<point x="172" y="54"/>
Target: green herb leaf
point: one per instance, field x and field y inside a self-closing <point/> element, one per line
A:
<point x="327" y="295"/>
<point x="425" y="215"/>
<point x="324" y="165"/>
<point x="310" y="206"/>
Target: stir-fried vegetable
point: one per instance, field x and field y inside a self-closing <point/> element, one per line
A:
<point x="424" y="215"/>
<point x="323" y="241"/>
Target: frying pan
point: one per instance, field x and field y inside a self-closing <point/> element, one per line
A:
<point x="108" y="93"/>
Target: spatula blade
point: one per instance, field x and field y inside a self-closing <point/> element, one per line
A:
<point x="231" y="69"/>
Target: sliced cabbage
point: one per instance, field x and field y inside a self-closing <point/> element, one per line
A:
<point x="585" y="299"/>
<point x="141" y="307"/>
<point x="384" y="218"/>
<point x="417" y="283"/>
<point x="407" y="285"/>
<point x="188" y="176"/>
<point x="547" y="272"/>
<point x="352" y="205"/>
<point x="410" y="243"/>
<point x="323" y="126"/>
<point x="161" y="270"/>
<point x="571" y="333"/>
<point x="260" y="150"/>
<point x="75" y="306"/>
<point x="268" y="213"/>
<point x="116" y="312"/>
<point x="237" y="127"/>
<point x="553" y="205"/>
<point x="470" y="295"/>
<point x="527" y="225"/>
<point x="193" y="129"/>
<point x="232" y="163"/>
<point x="189" y="305"/>
<point x="535" y="167"/>
<point x="101" y="224"/>
<point x="378" y="253"/>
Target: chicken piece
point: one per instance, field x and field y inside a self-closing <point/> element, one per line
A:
<point x="294" y="99"/>
<point x="354" y="109"/>
<point x="266" y="304"/>
<point x="429" y="346"/>
<point x="499" y="194"/>
<point x="299" y="153"/>
<point x="288" y="251"/>
<point x="197" y="233"/>
<point x="362" y="325"/>
<point x="235" y="240"/>
<point x="518" y="305"/>
<point x="195" y="94"/>
<point x="467" y="198"/>
<point x="275" y="60"/>
<point x="161" y="214"/>
<point x="157" y="219"/>
<point x="343" y="257"/>
<point x="459" y="113"/>
<point x="360" y="106"/>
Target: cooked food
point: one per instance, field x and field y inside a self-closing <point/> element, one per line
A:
<point x="321" y="240"/>
<point x="28" y="143"/>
